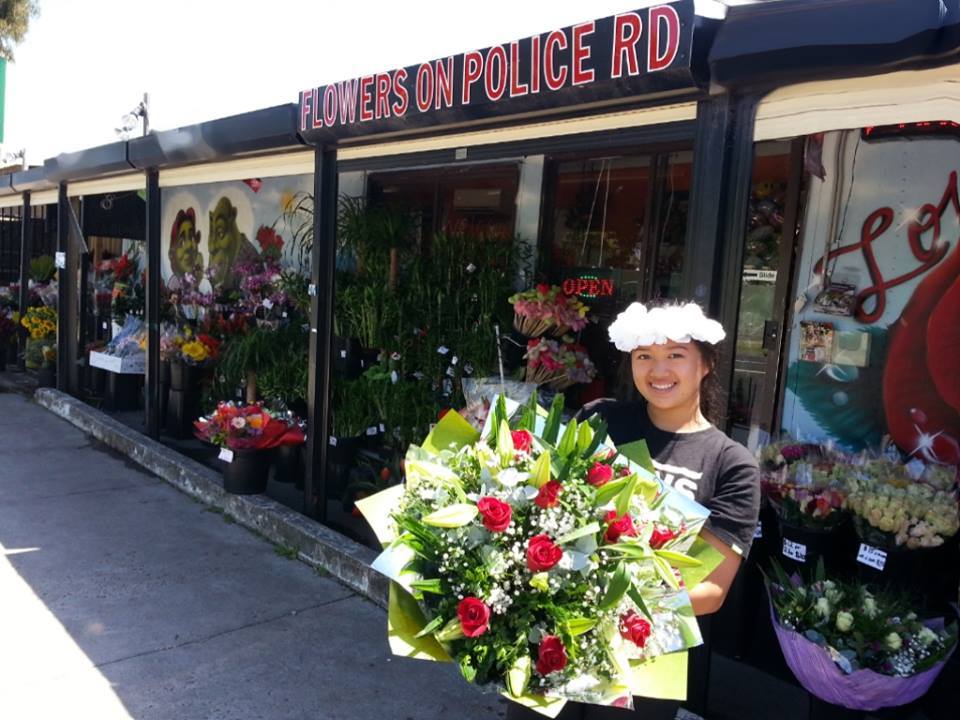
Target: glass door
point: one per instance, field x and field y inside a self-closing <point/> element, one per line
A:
<point x="765" y="278"/>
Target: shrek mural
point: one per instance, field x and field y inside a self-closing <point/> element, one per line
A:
<point x="186" y="262"/>
<point x="228" y="246"/>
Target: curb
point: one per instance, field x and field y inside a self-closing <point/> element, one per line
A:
<point x="317" y="545"/>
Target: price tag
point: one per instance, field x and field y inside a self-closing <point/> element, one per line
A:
<point x="443" y="349"/>
<point x="871" y="556"/>
<point x="284" y="314"/>
<point x="333" y="441"/>
<point x="268" y="303"/>
<point x="105" y="326"/>
<point x="372" y="430"/>
<point x="383" y="428"/>
<point x="226" y="454"/>
<point x="311" y="290"/>
<point x="60" y="261"/>
<point x="343" y="354"/>
<point x="794" y="551"/>
<point x="758" y="533"/>
<point x="454" y="360"/>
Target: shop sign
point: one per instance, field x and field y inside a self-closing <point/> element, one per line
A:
<point x="871" y="556"/>
<point x="588" y="287"/>
<point x="640" y="53"/>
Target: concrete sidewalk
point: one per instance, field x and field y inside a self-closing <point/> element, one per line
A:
<point x="122" y="598"/>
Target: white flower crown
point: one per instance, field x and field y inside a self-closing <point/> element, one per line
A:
<point x="638" y="326"/>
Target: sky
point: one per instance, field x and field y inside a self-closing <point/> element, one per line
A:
<point x="83" y="65"/>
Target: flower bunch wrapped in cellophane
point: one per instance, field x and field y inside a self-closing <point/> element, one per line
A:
<point x="855" y="646"/>
<point x="546" y="308"/>
<point x="543" y="561"/>
<point x="892" y="510"/>
<point x="804" y="483"/>
<point x="558" y="363"/>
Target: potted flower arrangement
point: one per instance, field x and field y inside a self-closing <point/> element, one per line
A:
<point x="558" y="363"/>
<point x="855" y="647"/>
<point x="41" y="353"/>
<point x="193" y="353"/>
<point x="246" y="435"/>
<point x="805" y="485"/>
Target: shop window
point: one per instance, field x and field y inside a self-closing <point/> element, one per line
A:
<point x="476" y="201"/>
<point x="615" y="232"/>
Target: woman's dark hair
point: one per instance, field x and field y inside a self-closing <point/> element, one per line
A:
<point x="711" y="391"/>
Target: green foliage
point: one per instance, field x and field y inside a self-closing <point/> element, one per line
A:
<point x="410" y="302"/>
<point x="277" y="355"/>
<point x="15" y="18"/>
<point x="42" y="268"/>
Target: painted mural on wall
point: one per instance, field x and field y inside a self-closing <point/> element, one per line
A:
<point x="210" y="231"/>
<point x="875" y="343"/>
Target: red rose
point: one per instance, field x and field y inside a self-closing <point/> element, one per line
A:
<point x="474" y="616"/>
<point x="549" y="494"/>
<point x="599" y="474"/>
<point x="661" y="536"/>
<point x="634" y="628"/>
<point x="543" y="289"/>
<point x="623" y="471"/>
<point x="617" y="526"/>
<point x="542" y="553"/>
<point x="496" y="514"/>
<point x="522" y="440"/>
<point x="552" y="656"/>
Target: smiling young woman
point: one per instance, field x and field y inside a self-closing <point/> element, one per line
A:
<point x="672" y="354"/>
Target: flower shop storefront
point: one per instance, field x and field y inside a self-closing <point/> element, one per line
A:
<point x="27" y="261"/>
<point x="857" y="436"/>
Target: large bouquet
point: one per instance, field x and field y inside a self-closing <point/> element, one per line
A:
<point x="247" y="427"/>
<point x="856" y="648"/>
<point x="540" y="560"/>
<point x="547" y="308"/>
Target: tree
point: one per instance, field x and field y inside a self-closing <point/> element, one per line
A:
<point x="14" y="20"/>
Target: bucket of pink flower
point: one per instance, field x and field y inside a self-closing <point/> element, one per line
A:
<point x="805" y="485"/>
<point x="246" y="436"/>
<point x="855" y="647"/>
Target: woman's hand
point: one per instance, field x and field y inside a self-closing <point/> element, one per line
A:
<point x="708" y="596"/>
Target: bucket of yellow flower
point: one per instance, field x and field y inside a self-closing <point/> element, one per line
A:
<point x="905" y="525"/>
<point x="194" y="354"/>
<point x="40" y="353"/>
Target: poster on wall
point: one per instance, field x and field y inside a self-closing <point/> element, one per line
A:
<point x="210" y="231"/>
<point x="880" y="264"/>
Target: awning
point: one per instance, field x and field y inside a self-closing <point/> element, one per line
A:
<point x="898" y="97"/>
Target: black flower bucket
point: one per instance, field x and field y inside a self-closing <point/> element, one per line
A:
<point x="247" y="471"/>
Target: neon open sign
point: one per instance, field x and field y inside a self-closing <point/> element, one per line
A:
<point x="588" y="287"/>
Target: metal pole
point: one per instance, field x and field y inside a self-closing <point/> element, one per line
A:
<point x="322" y="266"/>
<point x="63" y="284"/>
<point x="26" y="254"/>
<point x="153" y="304"/>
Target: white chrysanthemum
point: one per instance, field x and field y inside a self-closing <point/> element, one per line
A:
<point x="638" y="326"/>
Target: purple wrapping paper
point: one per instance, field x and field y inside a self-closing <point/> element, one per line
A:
<point x="861" y="689"/>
